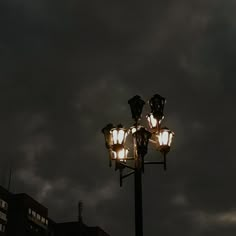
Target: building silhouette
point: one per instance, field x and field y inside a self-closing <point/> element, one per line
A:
<point x="77" y="228"/>
<point x="22" y="215"/>
<point x="4" y="199"/>
<point x="26" y="216"/>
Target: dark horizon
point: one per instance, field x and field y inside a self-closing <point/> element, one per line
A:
<point x="69" y="67"/>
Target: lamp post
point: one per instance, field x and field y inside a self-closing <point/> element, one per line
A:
<point x="160" y="137"/>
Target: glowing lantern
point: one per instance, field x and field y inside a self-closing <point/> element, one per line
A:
<point x="165" y="137"/>
<point x="153" y="122"/>
<point x="120" y="154"/>
<point x="142" y="139"/>
<point x="118" y="135"/>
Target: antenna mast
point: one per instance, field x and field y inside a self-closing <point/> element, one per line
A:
<point x="9" y="180"/>
<point x="80" y="211"/>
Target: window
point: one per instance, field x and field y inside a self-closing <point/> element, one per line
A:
<point x="43" y="220"/>
<point x="46" y="222"/>
<point x="3" y="216"/>
<point x="29" y="211"/>
<point x="2" y="228"/>
<point x="33" y="213"/>
<point x="38" y="217"/>
<point x="3" y="204"/>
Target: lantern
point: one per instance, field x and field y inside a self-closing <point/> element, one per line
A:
<point x="136" y="106"/>
<point x="157" y="104"/>
<point x="142" y="139"/>
<point x="118" y="135"/>
<point x="165" y="137"/>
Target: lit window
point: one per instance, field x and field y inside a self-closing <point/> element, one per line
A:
<point x="43" y="220"/>
<point x="38" y="217"/>
<point x="3" y="216"/>
<point x="6" y="205"/>
<point x="33" y="213"/>
<point x="3" y="204"/>
<point x="29" y="211"/>
<point x="46" y="222"/>
<point x="2" y="228"/>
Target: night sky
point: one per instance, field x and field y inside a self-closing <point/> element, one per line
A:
<point x="67" y="68"/>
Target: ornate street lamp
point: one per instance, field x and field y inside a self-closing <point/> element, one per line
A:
<point x="115" y="140"/>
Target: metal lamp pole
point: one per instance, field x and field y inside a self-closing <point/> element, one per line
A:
<point x="115" y="139"/>
<point x="138" y="199"/>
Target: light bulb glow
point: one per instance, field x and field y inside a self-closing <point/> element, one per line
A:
<point x="114" y="136"/>
<point x="133" y="130"/>
<point x="152" y="121"/>
<point x="121" y="136"/>
<point x="165" y="137"/>
<point x="120" y="154"/>
<point x="118" y="135"/>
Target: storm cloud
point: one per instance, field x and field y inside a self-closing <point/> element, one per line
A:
<point x="68" y="68"/>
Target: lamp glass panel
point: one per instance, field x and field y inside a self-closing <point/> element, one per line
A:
<point x="133" y="130"/>
<point x="170" y="139"/>
<point x="120" y="154"/>
<point x="152" y="121"/>
<point x="118" y="135"/>
<point x="164" y="139"/>
<point x="115" y="136"/>
<point x="121" y="136"/>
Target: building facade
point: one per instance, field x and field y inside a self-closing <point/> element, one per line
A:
<point x="27" y="216"/>
<point x="77" y="229"/>
<point x="4" y="199"/>
<point x="21" y="215"/>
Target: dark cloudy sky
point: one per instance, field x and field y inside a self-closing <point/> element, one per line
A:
<point x="67" y="68"/>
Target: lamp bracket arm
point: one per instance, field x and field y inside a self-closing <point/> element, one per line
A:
<point x="125" y="165"/>
<point x="152" y="141"/>
<point x="127" y="175"/>
<point x="154" y="162"/>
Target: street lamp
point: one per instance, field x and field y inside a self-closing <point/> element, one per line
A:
<point x="160" y="137"/>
